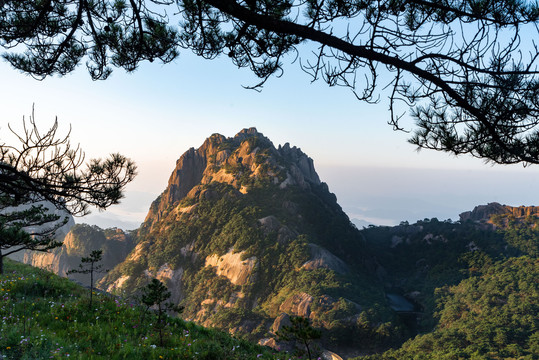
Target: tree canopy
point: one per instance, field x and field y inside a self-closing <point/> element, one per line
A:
<point x="466" y="68"/>
<point x="44" y="171"/>
<point x="46" y="167"/>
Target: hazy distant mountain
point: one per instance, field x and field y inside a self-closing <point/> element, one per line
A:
<point x="360" y="224"/>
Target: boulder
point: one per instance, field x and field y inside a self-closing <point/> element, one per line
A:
<point x="298" y="305"/>
<point x="282" y="320"/>
<point x="322" y="258"/>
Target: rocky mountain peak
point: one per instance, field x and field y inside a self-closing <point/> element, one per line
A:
<point x="304" y="163"/>
<point x="248" y="159"/>
<point x="483" y="212"/>
<point x="243" y="217"/>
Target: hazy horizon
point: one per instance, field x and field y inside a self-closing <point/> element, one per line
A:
<point x="370" y="194"/>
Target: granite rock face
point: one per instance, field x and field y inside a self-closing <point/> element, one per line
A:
<point x="79" y="242"/>
<point x="483" y="212"/>
<point x="219" y="159"/>
<point x="231" y="266"/>
<point x="298" y="305"/>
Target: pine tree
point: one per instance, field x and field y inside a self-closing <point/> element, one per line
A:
<point x="89" y="266"/>
<point x="300" y="330"/>
<point x="155" y="294"/>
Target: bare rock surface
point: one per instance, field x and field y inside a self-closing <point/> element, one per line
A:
<point x="328" y="355"/>
<point x="282" y="320"/>
<point x="232" y="266"/>
<point x="298" y="305"/>
<point x="321" y="258"/>
<point x="172" y="279"/>
<point x="483" y="212"/>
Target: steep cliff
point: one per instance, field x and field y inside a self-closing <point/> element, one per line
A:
<point x="79" y="242"/>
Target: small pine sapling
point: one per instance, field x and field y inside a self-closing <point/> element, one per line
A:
<point x="88" y="266"/>
<point x="300" y="330"/>
<point x="155" y="294"/>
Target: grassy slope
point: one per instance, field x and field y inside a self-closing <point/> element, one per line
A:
<point x="45" y="316"/>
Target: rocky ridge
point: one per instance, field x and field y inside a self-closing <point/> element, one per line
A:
<point x="483" y="213"/>
<point x="79" y="242"/>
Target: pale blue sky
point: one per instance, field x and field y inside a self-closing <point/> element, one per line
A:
<point x="158" y="112"/>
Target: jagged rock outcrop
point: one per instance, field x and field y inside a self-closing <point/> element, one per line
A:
<point x="302" y="170"/>
<point x="215" y="161"/>
<point x="79" y="242"/>
<point x="482" y="213"/>
<point x="188" y="173"/>
<point x="523" y="211"/>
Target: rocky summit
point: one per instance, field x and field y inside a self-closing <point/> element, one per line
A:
<point x="484" y="213"/>
<point x="240" y="162"/>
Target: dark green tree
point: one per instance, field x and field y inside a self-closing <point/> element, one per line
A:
<point x="89" y="266"/>
<point x="300" y="330"/>
<point x="466" y="68"/>
<point x="155" y="294"/>
<point x="44" y="171"/>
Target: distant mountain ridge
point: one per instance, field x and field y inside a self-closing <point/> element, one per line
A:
<point x="483" y="213"/>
